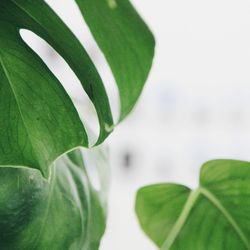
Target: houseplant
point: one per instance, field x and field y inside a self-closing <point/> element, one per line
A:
<point x="46" y="198"/>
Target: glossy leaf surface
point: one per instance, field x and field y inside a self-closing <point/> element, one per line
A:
<point x="61" y="213"/>
<point x="214" y="216"/>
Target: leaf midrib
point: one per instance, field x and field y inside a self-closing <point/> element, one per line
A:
<point x="191" y="200"/>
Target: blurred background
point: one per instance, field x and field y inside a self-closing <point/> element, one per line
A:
<point x="195" y="106"/>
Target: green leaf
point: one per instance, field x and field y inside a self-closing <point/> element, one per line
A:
<point x="126" y="42"/>
<point x="39" y="18"/>
<point x="39" y="124"/>
<point x="61" y="213"/>
<point x="38" y="120"/>
<point x="214" y="216"/>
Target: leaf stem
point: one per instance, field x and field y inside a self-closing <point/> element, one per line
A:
<point x="192" y="198"/>
<point x="186" y="211"/>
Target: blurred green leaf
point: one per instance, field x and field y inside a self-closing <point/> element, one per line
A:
<point x="61" y="213"/>
<point x="214" y="216"/>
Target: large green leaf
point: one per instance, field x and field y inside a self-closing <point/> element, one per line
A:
<point x="126" y="42"/>
<point x="39" y="124"/>
<point x="38" y="120"/>
<point x="39" y="18"/>
<point x="61" y="213"/>
<point x="214" y="216"/>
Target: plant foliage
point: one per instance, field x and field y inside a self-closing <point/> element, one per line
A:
<point x="39" y="123"/>
<point x="213" y="216"/>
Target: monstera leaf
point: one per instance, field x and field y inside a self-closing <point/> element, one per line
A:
<point x="63" y="212"/>
<point x="46" y="198"/>
<point x="214" y="216"/>
<point x="38" y="120"/>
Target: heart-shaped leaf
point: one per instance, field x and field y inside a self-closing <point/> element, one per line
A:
<point x="61" y="213"/>
<point x="214" y="216"/>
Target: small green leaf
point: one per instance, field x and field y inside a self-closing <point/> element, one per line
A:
<point x="214" y="216"/>
<point x="61" y="213"/>
<point x="126" y="42"/>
